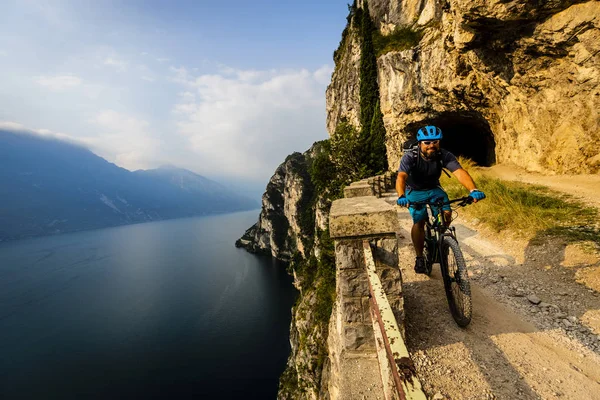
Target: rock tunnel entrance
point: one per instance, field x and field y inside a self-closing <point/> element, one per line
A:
<point x="468" y="135"/>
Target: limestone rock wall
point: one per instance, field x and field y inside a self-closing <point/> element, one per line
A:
<point x="279" y="233"/>
<point x="278" y="230"/>
<point x="527" y="71"/>
<point x="307" y="372"/>
<point x="344" y="102"/>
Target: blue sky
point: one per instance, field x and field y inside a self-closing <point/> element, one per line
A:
<point x="225" y="89"/>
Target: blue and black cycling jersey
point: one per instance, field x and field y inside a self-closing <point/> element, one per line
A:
<point x="425" y="174"/>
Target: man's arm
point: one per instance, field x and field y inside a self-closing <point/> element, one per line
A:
<point x="401" y="182"/>
<point x="465" y="179"/>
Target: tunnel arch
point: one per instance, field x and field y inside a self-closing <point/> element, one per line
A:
<point x="465" y="134"/>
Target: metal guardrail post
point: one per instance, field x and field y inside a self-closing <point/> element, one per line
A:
<point x="388" y="180"/>
<point x="379" y="184"/>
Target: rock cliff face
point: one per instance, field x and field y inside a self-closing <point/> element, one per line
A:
<point x="278" y="230"/>
<point x="287" y="229"/>
<point x="507" y="81"/>
<point x="344" y="102"/>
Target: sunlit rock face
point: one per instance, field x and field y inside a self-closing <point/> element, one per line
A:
<point x="508" y="81"/>
<point x="343" y="96"/>
<point x="278" y="231"/>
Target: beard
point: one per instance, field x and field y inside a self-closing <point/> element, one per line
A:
<point x="430" y="153"/>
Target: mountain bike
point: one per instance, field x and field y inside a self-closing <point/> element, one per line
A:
<point x="441" y="246"/>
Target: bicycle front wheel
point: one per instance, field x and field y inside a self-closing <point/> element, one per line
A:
<point x="456" y="281"/>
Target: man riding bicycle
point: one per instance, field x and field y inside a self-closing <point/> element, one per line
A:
<point x="419" y="180"/>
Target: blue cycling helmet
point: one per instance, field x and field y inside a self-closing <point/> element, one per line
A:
<point x="429" y="132"/>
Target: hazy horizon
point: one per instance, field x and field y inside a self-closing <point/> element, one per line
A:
<point x="251" y="190"/>
<point x="226" y="91"/>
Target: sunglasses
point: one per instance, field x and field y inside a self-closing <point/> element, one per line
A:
<point x="428" y="142"/>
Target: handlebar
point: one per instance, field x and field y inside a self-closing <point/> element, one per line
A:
<point x="439" y="202"/>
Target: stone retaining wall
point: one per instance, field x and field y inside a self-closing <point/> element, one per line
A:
<point x="363" y="223"/>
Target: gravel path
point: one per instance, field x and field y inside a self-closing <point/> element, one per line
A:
<point x="535" y="332"/>
<point x="513" y="349"/>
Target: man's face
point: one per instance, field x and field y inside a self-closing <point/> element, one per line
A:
<point x="429" y="148"/>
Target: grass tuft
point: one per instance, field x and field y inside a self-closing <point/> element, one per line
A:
<point x="532" y="210"/>
<point x="402" y="38"/>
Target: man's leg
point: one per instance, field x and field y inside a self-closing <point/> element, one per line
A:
<point x="447" y="217"/>
<point x="440" y="193"/>
<point x="417" y="234"/>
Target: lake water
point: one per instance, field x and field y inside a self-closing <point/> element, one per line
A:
<point x="168" y="309"/>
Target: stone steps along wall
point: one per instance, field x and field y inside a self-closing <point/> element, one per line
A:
<point x="374" y="186"/>
<point x="362" y="218"/>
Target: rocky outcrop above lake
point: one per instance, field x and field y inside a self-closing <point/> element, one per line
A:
<point x="288" y="228"/>
<point x="278" y="231"/>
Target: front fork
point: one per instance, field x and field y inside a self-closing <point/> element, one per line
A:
<point x="434" y="243"/>
<point x="431" y="243"/>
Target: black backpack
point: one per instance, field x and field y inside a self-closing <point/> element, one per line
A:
<point x="412" y="145"/>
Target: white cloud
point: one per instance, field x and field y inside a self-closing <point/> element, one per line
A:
<point x="155" y="57"/>
<point x="122" y="139"/>
<point x="116" y="62"/>
<point x="125" y="140"/>
<point x="94" y="91"/>
<point x="17" y="127"/>
<point x="323" y="74"/>
<point x="52" y="14"/>
<point x="246" y="122"/>
<point x="11" y="126"/>
<point x="146" y="73"/>
<point x="180" y="75"/>
<point x="60" y="82"/>
<point x="245" y="75"/>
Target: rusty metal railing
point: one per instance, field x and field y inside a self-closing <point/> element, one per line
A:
<point x="398" y="373"/>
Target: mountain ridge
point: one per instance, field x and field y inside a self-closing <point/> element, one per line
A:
<point x="50" y="186"/>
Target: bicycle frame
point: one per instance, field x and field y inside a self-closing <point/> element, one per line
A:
<point x="435" y="222"/>
<point x="438" y="246"/>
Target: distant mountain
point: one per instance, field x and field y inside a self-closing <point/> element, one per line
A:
<point x="49" y="186"/>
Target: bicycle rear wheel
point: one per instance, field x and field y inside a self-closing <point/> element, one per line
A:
<point x="456" y="281"/>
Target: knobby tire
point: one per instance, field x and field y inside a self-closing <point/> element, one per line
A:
<point x="456" y="281"/>
<point x="428" y="252"/>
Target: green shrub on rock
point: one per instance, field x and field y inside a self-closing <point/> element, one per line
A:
<point x="402" y="38"/>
